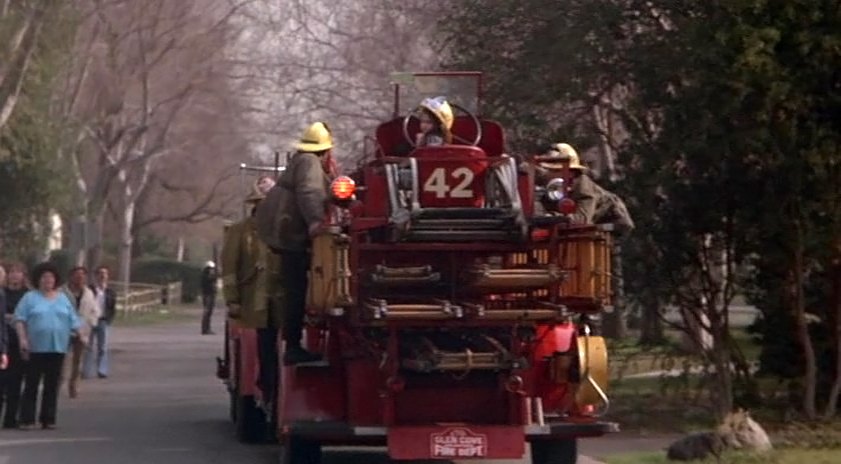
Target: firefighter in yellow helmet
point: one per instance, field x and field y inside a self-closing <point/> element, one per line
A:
<point x="301" y="214"/>
<point x="594" y="204"/>
<point x="250" y="286"/>
<point x="436" y="122"/>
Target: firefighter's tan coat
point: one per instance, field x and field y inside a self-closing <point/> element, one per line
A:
<point x="594" y="204"/>
<point x="250" y="276"/>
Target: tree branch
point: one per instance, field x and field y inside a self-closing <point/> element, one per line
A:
<point x="200" y="212"/>
<point x="19" y="57"/>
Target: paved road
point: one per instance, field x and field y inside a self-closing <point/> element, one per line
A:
<point x="163" y="405"/>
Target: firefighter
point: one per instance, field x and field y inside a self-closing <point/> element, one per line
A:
<point x="301" y="214"/>
<point x="436" y="122"/>
<point x="208" y="295"/>
<point x="594" y="204"/>
<point x="250" y="286"/>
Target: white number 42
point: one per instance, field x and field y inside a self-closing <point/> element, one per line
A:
<point x="438" y="184"/>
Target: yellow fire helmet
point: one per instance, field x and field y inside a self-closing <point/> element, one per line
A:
<point x="316" y="138"/>
<point x="558" y="154"/>
<point x="442" y="110"/>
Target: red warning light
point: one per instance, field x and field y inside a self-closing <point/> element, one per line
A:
<point x="343" y="188"/>
<point x="566" y="206"/>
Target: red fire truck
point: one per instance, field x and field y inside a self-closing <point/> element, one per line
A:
<point x="451" y="302"/>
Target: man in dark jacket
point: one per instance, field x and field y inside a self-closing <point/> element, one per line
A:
<point x="4" y="359"/>
<point x="301" y="215"/>
<point x="209" y="277"/>
<point x="11" y="379"/>
<point x="106" y="299"/>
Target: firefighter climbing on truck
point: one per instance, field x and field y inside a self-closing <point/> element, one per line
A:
<point x="299" y="215"/>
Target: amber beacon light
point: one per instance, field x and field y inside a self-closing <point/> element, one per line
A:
<point x="343" y="188"/>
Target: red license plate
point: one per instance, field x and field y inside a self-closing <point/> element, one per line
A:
<point x="456" y="441"/>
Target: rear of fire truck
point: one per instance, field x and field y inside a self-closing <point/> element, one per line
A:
<point x="451" y="303"/>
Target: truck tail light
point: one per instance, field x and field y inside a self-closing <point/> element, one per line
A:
<point x="567" y="206"/>
<point x="343" y="188"/>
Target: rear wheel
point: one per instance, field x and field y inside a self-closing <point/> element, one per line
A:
<point x="554" y="452"/>
<point x="300" y="451"/>
<point x="232" y="407"/>
<point x="249" y="420"/>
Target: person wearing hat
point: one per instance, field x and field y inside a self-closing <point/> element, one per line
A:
<point x="207" y="282"/>
<point x="436" y="122"/>
<point x="301" y="214"/>
<point x="594" y="204"/>
<point x="561" y="160"/>
<point x="250" y="278"/>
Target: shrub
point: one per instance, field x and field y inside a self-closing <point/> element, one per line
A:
<point x="162" y="271"/>
<point x="63" y="259"/>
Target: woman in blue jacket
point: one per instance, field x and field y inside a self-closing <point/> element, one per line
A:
<point x="45" y="321"/>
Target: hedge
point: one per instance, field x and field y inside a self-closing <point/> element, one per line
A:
<point x="162" y="271"/>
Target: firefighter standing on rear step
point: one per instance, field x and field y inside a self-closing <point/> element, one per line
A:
<point x="594" y="205"/>
<point x="250" y="286"/>
<point x="302" y="214"/>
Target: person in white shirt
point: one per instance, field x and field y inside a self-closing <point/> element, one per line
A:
<point x="96" y="355"/>
<point x="84" y="302"/>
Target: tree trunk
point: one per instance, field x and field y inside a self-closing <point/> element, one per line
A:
<point x="93" y="250"/>
<point x="696" y="336"/>
<point x="616" y="324"/>
<point x="724" y="380"/>
<point x="126" y="240"/>
<point x="810" y="375"/>
<point x="835" y="318"/>
<point x="652" y="322"/>
<point x="811" y="372"/>
<point x="179" y="252"/>
<point x="11" y="80"/>
<point x="719" y="332"/>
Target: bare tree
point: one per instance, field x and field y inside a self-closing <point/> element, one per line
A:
<point x="20" y="25"/>
<point x="141" y="68"/>
<point x="332" y="61"/>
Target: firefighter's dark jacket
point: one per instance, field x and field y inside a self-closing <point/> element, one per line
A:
<point x="306" y="186"/>
<point x="250" y="275"/>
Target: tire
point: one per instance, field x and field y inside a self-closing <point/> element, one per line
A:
<point x="233" y="381"/>
<point x="250" y="422"/>
<point x="232" y="406"/>
<point x="223" y="372"/>
<point x="554" y="452"/>
<point x="298" y="451"/>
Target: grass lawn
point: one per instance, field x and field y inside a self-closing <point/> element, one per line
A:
<point x="674" y="403"/>
<point x="158" y="315"/>
<point x="780" y="456"/>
